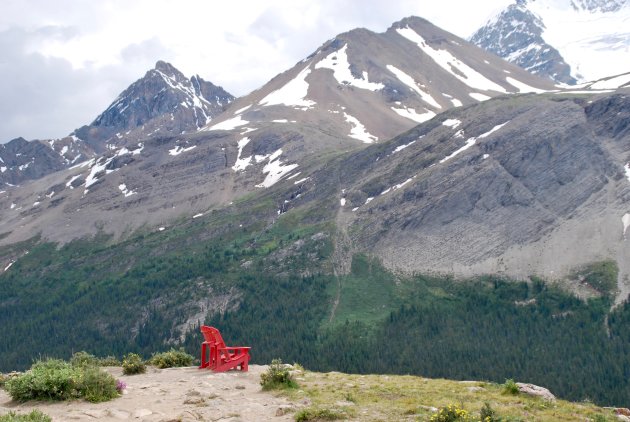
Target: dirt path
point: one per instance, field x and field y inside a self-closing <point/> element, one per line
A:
<point x="169" y="395"/>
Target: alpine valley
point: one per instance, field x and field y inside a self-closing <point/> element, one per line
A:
<point x="404" y="188"/>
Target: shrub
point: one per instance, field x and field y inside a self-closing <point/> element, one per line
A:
<point x="54" y="379"/>
<point x="510" y="387"/>
<point x="133" y="364"/>
<point x="451" y="413"/>
<point x="109" y="361"/>
<point x="277" y="377"/>
<point x="82" y="359"/>
<point x="171" y="359"/>
<point x="97" y="385"/>
<point x="6" y="377"/>
<point x="312" y="414"/>
<point x="51" y="379"/>
<point x="34" y="416"/>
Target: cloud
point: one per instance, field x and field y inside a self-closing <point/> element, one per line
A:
<point x="45" y="97"/>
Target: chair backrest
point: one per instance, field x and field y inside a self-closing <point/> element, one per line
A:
<point x="217" y="337"/>
<point x="212" y="335"/>
<point x="207" y="334"/>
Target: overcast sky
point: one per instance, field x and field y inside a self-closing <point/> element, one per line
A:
<point x="63" y="62"/>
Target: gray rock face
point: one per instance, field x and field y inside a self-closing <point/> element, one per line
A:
<point x="21" y="160"/>
<point x="163" y="102"/>
<point x="520" y="186"/>
<point x="516" y="35"/>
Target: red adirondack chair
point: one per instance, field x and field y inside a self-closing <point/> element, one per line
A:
<point x="217" y="356"/>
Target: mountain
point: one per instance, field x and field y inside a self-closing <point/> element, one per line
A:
<point x="358" y="88"/>
<point x="405" y="186"/>
<point x="567" y="41"/>
<point x="163" y="102"/>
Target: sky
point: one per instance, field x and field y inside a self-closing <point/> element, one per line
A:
<point x="63" y="62"/>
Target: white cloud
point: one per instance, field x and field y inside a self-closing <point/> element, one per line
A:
<point x="63" y="62"/>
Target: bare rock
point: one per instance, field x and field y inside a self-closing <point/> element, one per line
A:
<point x="141" y="413"/>
<point x="118" y="414"/>
<point x="622" y="411"/>
<point x="535" y="390"/>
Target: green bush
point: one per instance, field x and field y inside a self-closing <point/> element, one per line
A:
<point x="51" y="379"/>
<point x="82" y="359"/>
<point x="54" y="379"/>
<point x="133" y="364"/>
<point x="510" y="387"/>
<point x="171" y="359"/>
<point x="313" y="414"/>
<point x="97" y="385"/>
<point x="277" y="377"/>
<point x="109" y="361"/>
<point x="34" y="416"/>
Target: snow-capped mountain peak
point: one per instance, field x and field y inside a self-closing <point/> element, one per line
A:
<point x="568" y="41"/>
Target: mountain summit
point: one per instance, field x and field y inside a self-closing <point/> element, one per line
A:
<point x="163" y="101"/>
<point x="567" y="41"/>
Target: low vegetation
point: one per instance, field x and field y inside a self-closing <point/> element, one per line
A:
<point x="277" y="377"/>
<point x="172" y="359"/>
<point x="133" y="364"/>
<point x="34" y="416"/>
<point x="54" y="379"/>
<point x="336" y="395"/>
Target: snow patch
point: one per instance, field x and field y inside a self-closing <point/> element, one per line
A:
<point x="9" y="266"/>
<point x="358" y="130"/>
<point x="401" y="147"/>
<point x="69" y="184"/>
<point x="342" y="202"/>
<point x="297" y="182"/>
<point x="479" y="97"/>
<point x="411" y="114"/>
<point x="125" y="191"/>
<point x="612" y="83"/>
<point x="228" y="124"/>
<point x="275" y="170"/>
<point x="452" y="123"/>
<point x="197" y="215"/>
<point x="627" y="170"/>
<point x="625" y="220"/>
<point x="241" y="110"/>
<point x="411" y="83"/>
<point x="451" y="64"/>
<point x="523" y="87"/>
<point x="471" y="141"/>
<point x="242" y="163"/>
<point x="337" y="61"/>
<point x="178" y="150"/>
<point x="292" y="94"/>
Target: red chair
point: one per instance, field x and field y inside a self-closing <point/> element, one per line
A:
<point x="217" y="356"/>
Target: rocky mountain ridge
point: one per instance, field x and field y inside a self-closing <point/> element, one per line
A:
<point x="162" y="102"/>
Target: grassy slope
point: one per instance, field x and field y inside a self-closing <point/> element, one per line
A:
<point x="400" y="398"/>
